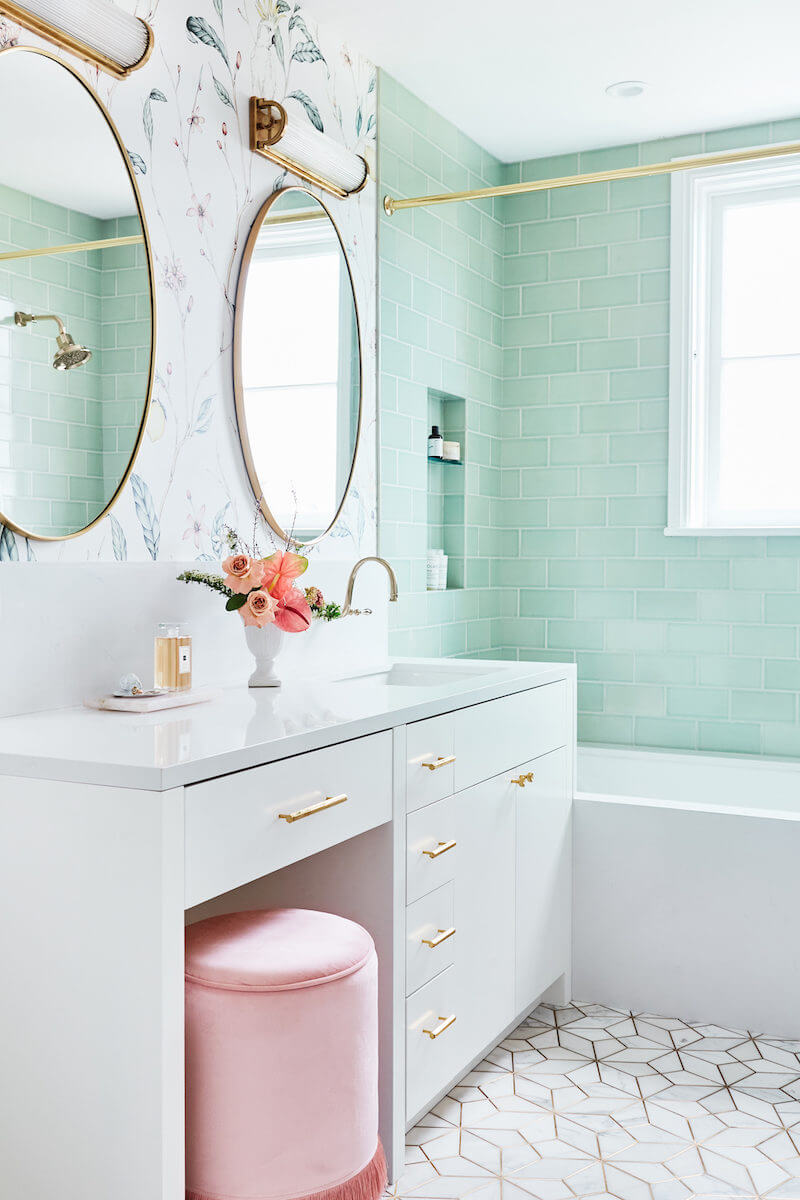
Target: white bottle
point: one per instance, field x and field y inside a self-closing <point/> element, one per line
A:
<point x="433" y="570"/>
<point x="442" y="567"/>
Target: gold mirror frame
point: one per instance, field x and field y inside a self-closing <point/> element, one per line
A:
<point x="238" y="387"/>
<point x="4" y="520"/>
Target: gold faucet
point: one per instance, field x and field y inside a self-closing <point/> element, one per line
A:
<point x="348" y="610"/>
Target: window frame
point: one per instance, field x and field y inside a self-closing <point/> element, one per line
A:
<point x="693" y="254"/>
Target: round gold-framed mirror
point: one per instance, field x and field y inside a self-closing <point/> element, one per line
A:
<point x="298" y="366"/>
<point x="77" y="302"/>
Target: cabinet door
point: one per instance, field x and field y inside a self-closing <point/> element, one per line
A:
<point x="484" y="912"/>
<point x="544" y="878"/>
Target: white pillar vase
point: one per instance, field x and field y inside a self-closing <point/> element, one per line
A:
<point x="265" y="646"/>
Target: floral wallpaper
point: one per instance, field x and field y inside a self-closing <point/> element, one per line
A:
<point x="184" y="120"/>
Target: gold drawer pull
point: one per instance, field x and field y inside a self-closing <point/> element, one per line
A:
<point x="302" y="813"/>
<point x="440" y="762"/>
<point x="442" y="848"/>
<point x="439" y="1030"/>
<point x="521" y="780"/>
<point x="441" y="936"/>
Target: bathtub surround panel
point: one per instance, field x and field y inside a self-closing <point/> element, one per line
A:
<point x="184" y="120"/>
<point x="441" y="333"/>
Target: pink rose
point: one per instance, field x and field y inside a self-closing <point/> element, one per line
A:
<point x="293" y="614"/>
<point x="259" y="609"/>
<point x="243" y="574"/>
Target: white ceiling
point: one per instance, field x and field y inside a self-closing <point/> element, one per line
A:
<point x="528" y="79"/>
<point x="56" y="144"/>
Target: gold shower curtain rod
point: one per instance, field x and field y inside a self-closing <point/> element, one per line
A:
<point x="135" y="239"/>
<point x="392" y="205"/>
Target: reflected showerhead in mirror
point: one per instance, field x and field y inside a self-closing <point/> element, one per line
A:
<point x="69" y="353"/>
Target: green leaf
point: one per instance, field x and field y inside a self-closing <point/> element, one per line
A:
<point x="277" y="41"/>
<point x="157" y="94"/>
<point x="222" y="92"/>
<point x="297" y="22"/>
<point x="137" y="162"/>
<point x="8" y="546"/>
<point x="218" y="7"/>
<point x="359" y="119"/>
<point x="307" y="52"/>
<point x="206" y="34"/>
<point x="311" y="109"/>
<point x="373" y="83"/>
<point x="147" y="120"/>
<point x="282" y="7"/>
<point x="236" y="602"/>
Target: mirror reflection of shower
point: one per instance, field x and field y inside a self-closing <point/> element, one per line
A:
<point x="69" y="353"/>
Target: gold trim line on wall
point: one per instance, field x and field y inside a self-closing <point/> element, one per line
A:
<point x="135" y="239"/>
<point x="304" y="151"/>
<point x="103" y="34"/>
<point x="393" y="205"/>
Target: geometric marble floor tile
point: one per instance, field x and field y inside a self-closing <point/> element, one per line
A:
<point x="586" y="1101"/>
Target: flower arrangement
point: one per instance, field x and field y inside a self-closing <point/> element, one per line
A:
<point x="262" y="589"/>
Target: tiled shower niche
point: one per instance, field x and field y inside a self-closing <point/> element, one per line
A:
<point x="447" y="488"/>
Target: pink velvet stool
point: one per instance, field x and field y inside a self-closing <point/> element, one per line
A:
<point x="282" y="1059"/>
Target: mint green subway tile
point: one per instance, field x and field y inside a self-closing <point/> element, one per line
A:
<point x="550" y="297"/>
<point x="575" y="326"/>
<point x="520" y="513"/>
<point x="639" y="320"/>
<point x="695" y="574"/>
<point x="574" y="635"/>
<point x="639" y="193"/>
<point x="738" y="138"/>
<point x="575" y="573"/>
<point x="666" y="605"/>
<point x="654" y="351"/>
<point x="525" y="632"/>
<point x="543" y="420"/>
<point x="605" y="228"/>
<point x="590" y="697"/>
<point x="729" y="737"/>
<point x="732" y="547"/>
<point x="527" y="269"/>
<point x="546" y="602"/>
<point x="602" y="728"/>
<point x="610" y="354"/>
<point x="650" y="255"/>
<point x="549" y="543"/>
<point x="654" y="222"/>
<point x="517" y="572"/>
<point x="697" y="702"/>
<point x="644" y="384"/>
<point x="585" y="388"/>
<point x="784" y="546"/>
<point x="781" y="740"/>
<point x="780" y="675"/>
<point x="551" y="167"/>
<point x="578" y="451"/>
<point x="634" y="572"/>
<point x="605" y="292"/>
<point x="607" y="481"/>
<point x="607" y="543"/>
<point x="608" y="667"/>
<point x="524" y="452"/>
<point x="726" y="671"/>
<point x="641" y="636"/>
<point x="577" y="513"/>
<point x="609" y="418"/>
<point x="527" y="331"/>
<point x="579" y="264"/>
<point x="550" y="481"/>
<point x="763" y="706"/>
<point x="50" y="433"/>
<point x="725" y="605"/>
<point x="638" y="447"/>
<point x="765" y="574"/>
<point x="665" y="668"/>
<point x="654" y="286"/>
<point x="550" y="360"/>
<point x="668" y="733"/>
<point x="548" y="235"/>
<point x="635" y="699"/>
<point x="605" y="604"/>
<point x="782" y="609"/>
<point x="765" y="642"/>
<point x="703" y="638"/>
<point x="572" y="201"/>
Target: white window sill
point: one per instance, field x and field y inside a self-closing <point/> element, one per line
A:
<point x="737" y="531"/>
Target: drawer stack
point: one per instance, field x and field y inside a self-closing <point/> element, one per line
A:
<point x="466" y="774"/>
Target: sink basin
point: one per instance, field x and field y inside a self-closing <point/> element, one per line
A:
<point x="411" y="674"/>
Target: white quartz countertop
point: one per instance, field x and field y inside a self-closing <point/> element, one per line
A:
<point x="247" y="727"/>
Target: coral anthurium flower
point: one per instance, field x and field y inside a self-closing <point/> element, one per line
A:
<point x="259" y="609"/>
<point x="280" y="570"/>
<point x="293" y="614"/>
<point x="242" y="573"/>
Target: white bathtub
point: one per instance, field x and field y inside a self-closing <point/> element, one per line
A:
<point x="687" y="886"/>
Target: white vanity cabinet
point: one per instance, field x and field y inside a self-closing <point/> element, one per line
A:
<point x="438" y="817"/>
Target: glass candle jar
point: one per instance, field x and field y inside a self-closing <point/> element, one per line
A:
<point x="172" y="660"/>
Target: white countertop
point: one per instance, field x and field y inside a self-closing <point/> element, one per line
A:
<point x="244" y="727"/>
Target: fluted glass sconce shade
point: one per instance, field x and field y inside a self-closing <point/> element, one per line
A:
<point x="283" y="133"/>
<point x="95" y="30"/>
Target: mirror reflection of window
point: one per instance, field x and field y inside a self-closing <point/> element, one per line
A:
<point x="300" y="366"/>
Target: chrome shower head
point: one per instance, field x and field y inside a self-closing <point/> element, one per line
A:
<point x="69" y="354"/>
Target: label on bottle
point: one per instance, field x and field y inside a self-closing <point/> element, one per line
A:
<point x="184" y="660"/>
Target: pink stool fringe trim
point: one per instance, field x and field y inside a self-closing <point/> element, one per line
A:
<point x="368" y="1184"/>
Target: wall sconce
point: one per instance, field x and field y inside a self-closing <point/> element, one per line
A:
<point x="287" y="138"/>
<point x="94" y="30"/>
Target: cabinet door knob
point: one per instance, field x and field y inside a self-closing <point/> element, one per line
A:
<point x="442" y="848"/>
<point x="302" y="813"/>
<point x="440" y="762"/>
<point x="521" y="780"/>
<point x="446" y="1022"/>
<point x="441" y="936"/>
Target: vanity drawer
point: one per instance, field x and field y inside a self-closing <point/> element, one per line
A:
<point x="430" y="937"/>
<point x="431" y="849"/>
<point x="432" y="1062"/>
<point x="494" y="737"/>
<point x="430" y="762"/>
<point x="236" y="829"/>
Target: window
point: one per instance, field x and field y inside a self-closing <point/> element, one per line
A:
<point x="735" y="349"/>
